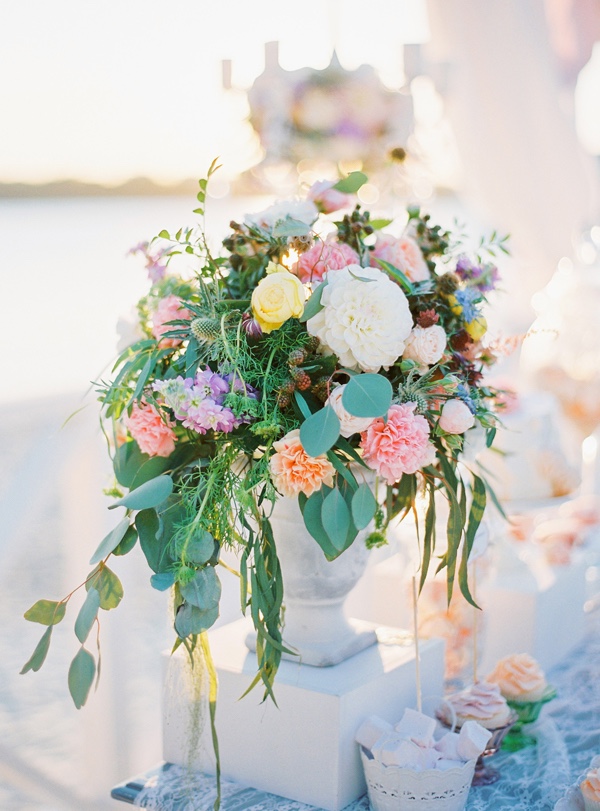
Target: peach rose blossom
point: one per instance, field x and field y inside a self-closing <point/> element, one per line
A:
<point x="425" y="345"/>
<point x="519" y="677"/>
<point x="323" y="256"/>
<point x="153" y="434"/>
<point x="590" y="787"/>
<point x="404" y="254"/>
<point x="167" y="309"/>
<point x="400" y="445"/>
<point x="294" y="471"/>
<point x="456" y="417"/>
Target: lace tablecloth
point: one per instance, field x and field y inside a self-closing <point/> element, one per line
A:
<point x="535" y="779"/>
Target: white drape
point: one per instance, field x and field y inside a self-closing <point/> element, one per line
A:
<point x="523" y="166"/>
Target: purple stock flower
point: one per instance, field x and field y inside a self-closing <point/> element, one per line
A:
<point x="484" y="277"/>
<point x="211" y="385"/>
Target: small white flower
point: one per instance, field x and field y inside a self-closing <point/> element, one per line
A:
<point x="425" y="345"/>
<point x="349" y="424"/>
<point x="302" y="210"/>
<point x="364" y="323"/>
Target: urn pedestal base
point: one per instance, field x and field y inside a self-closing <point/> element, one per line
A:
<point x="305" y="749"/>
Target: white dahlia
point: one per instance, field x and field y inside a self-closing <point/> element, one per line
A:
<point x="364" y="323"/>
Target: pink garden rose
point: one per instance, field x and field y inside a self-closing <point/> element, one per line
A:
<point x="322" y="257"/>
<point x="168" y="309"/>
<point x="326" y="198"/>
<point x="456" y="417"/>
<point x="400" y="445"/>
<point x="153" y="434"/>
<point x="403" y="253"/>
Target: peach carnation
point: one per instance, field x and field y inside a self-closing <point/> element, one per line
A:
<point x="153" y="434"/>
<point x="167" y="309"/>
<point x="324" y="256"/>
<point x="400" y="445"/>
<point x="294" y="471"/>
<point x="404" y="254"/>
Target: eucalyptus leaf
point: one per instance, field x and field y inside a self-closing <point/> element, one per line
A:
<point x="133" y="468"/>
<point x="87" y="615"/>
<point x="204" y="591"/>
<point x="198" y="548"/>
<point x="112" y="540"/>
<point x="313" y="305"/>
<point x="162" y="581"/>
<point x="147" y="525"/>
<point x="38" y="657"/>
<point x="108" y="586"/>
<point x="320" y="431"/>
<point x="335" y="516"/>
<point x="289" y="227"/>
<point x="46" y="612"/>
<point x="150" y="494"/>
<point x="367" y="395"/>
<point x="127" y="543"/>
<point x="352" y="183"/>
<point x="81" y="676"/>
<point x="364" y="506"/>
<point x="314" y="524"/>
<point x="192" y="620"/>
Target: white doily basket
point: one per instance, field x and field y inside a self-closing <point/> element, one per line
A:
<point x="392" y="788"/>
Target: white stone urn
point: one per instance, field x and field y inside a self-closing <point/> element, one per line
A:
<point x="315" y="590"/>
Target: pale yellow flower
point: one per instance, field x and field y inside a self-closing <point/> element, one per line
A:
<point x="277" y="298"/>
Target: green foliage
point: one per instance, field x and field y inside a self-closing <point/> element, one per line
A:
<point x="46" y="612"/>
<point x="320" y="431"/>
<point x="335" y="517"/>
<point x="110" y="543"/>
<point x="367" y="395"/>
<point x="87" y="615"/>
<point x="364" y="506"/>
<point x="352" y="183"/>
<point x="147" y="495"/>
<point x="313" y="305"/>
<point x="204" y="590"/>
<point x="108" y="586"/>
<point x="38" y="657"/>
<point x="81" y="676"/>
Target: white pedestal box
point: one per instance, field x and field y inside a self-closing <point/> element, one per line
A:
<point x="535" y="610"/>
<point x="305" y="749"/>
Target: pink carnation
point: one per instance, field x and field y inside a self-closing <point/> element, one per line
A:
<point x="152" y="433"/>
<point x="403" y="253"/>
<point x="400" y="445"/>
<point x="326" y="198"/>
<point x="322" y="257"/>
<point x="168" y="309"/>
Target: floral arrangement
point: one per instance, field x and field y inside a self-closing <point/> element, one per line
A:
<point x="309" y="353"/>
<point x="330" y="114"/>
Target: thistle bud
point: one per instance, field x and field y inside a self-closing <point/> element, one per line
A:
<point x="205" y="330"/>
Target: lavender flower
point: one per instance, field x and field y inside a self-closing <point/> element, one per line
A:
<point x="484" y="277"/>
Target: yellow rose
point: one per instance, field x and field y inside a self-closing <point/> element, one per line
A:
<point x="477" y="328"/>
<point x="277" y="298"/>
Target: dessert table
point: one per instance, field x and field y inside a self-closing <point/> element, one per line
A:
<point x="534" y="779"/>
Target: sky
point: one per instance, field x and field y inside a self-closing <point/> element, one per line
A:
<point x="106" y="91"/>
